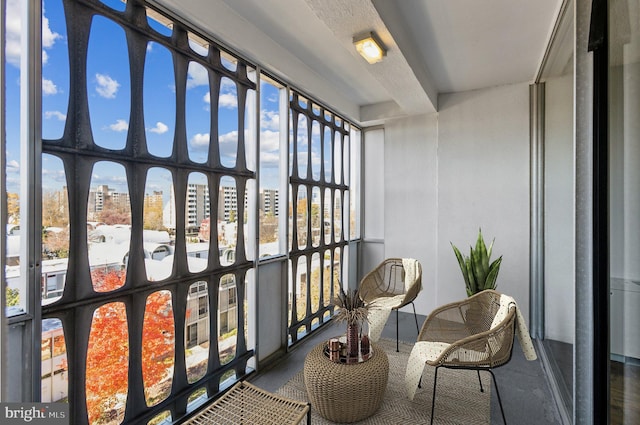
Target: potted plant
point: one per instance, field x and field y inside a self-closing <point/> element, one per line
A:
<point x="478" y="273"/>
<point x="352" y="310"/>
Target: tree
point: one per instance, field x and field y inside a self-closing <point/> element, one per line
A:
<point x="13" y="297"/>
<point x="13" y="208"/>
<point x="108" y="352"/>
<point x="55" y="211"/>
<point x="268" y="228"/>
<point x="113" y="213"/>
<point x="56" y="244"/>
<point x="152" y="214"/>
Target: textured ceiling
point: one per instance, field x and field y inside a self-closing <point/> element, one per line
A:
<point x="434" y="46"/>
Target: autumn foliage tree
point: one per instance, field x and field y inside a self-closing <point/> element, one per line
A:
<point x="108" y="353"/>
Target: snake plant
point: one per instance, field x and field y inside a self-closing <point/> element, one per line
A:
<point x="478" y="273"/>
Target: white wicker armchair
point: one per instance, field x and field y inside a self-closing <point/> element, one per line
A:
<point x="393" y="284"/>
<point x="475" y="333"/>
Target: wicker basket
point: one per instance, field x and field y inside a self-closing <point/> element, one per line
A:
<point x="346" y="392"/>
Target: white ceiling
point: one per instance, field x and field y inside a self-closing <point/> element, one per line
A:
<point x="434" y="46"/>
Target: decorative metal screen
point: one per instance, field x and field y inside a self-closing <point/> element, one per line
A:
<point x="319" y="212"/>
<point x="160" y="294"/>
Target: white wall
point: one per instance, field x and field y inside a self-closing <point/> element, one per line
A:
<point x="410" y="197"/>
<point x="446" y="175"/>
<point x="483" y="177"/>
<point x="372" y="252"/>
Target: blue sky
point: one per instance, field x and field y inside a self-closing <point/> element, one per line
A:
<point x="109" y="92"/>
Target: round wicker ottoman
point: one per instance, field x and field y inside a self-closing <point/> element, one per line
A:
<point x="345" y="392"/>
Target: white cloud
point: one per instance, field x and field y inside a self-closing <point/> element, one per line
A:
<point x="55" y="114"/>
<point x="228" y="100"/>
<point x="200" y="141"/>
<point x="197" y="75"/>
<point x="230" y="137"/>
<point x="107" y="86"/>
<point x="270" y="120"/>
<point x="48" y="87"/>
<point x="269" y="158"/>
<point x="269" y="141"/>
<point x="48" y="37"/>
<point x="45" y="56"/>
<point x="227" y="85"/>
<point x="13" y="28"/>
<point x="13" y="166"/>
<point x="120" y="125"/>
<point x="160" y="128"/>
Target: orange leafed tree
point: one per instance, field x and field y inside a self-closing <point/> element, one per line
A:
<point x="108" y="352"/>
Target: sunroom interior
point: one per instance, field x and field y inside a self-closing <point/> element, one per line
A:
<point x="130" y="127"/>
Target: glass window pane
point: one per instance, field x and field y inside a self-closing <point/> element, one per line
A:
<point x="198" y="210"/>
<point x="302" y="216"/>
<point x="316" y="151"/>
<point x="55" y="229"/>
<point x="108" y="83"/>
<point x="327" y="216"/>
<point x="624" y="211"/>
<point x="159" y="100"/>
<point x="227" y="318"/>
<point x="316" y="216"/>
<point x="198" y="113"/>
<point x="107" y="368"/>
<point x="197" y="331"/>
<point x="338" y="147"/>
<point x="327" y="143"/>
<point x="314" y="283"/>
<point x="158" y="243"/>
<point x="228" y="127"/>
<point x="227" y="220"/>
<point x="109" y="226"/>
<point x="12" y="171"/>
<point x="158" y="347"/>
<point x="55" y="376"/>
<point x="55" y="71"/>
<point x="159" y="23"/>
<point x="196" y="398"/>
<point x="303" y="146"/>
<point x="337" y="215"/>
<point x="270" y="168"/>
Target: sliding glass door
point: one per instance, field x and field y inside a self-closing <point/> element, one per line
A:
<point x="558" y="206"/>
<point x="624" y="211"/>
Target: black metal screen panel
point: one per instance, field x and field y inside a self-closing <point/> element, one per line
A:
<point x="319" y="212"/>
<point x="79" y="153"/>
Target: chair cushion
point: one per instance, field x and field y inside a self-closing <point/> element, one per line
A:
<point x="505" y="302"/>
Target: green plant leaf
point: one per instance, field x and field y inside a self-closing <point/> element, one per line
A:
<point x="461" y="262"/>
<point x="473" y="283"/>
<point x="482" y="259"/>
<point x="475" y="266"/>
<point x="493" y="274"/>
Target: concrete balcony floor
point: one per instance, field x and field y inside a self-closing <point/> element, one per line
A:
<point x="525" y="392"/>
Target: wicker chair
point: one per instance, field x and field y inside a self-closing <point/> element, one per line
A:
<point x="393" y="284"/>
<point x="476" y="333"/>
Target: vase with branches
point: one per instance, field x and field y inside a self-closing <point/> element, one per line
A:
<point x="350" y="308"/>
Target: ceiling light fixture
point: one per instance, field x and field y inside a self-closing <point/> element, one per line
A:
<point x="370" y="47"/>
